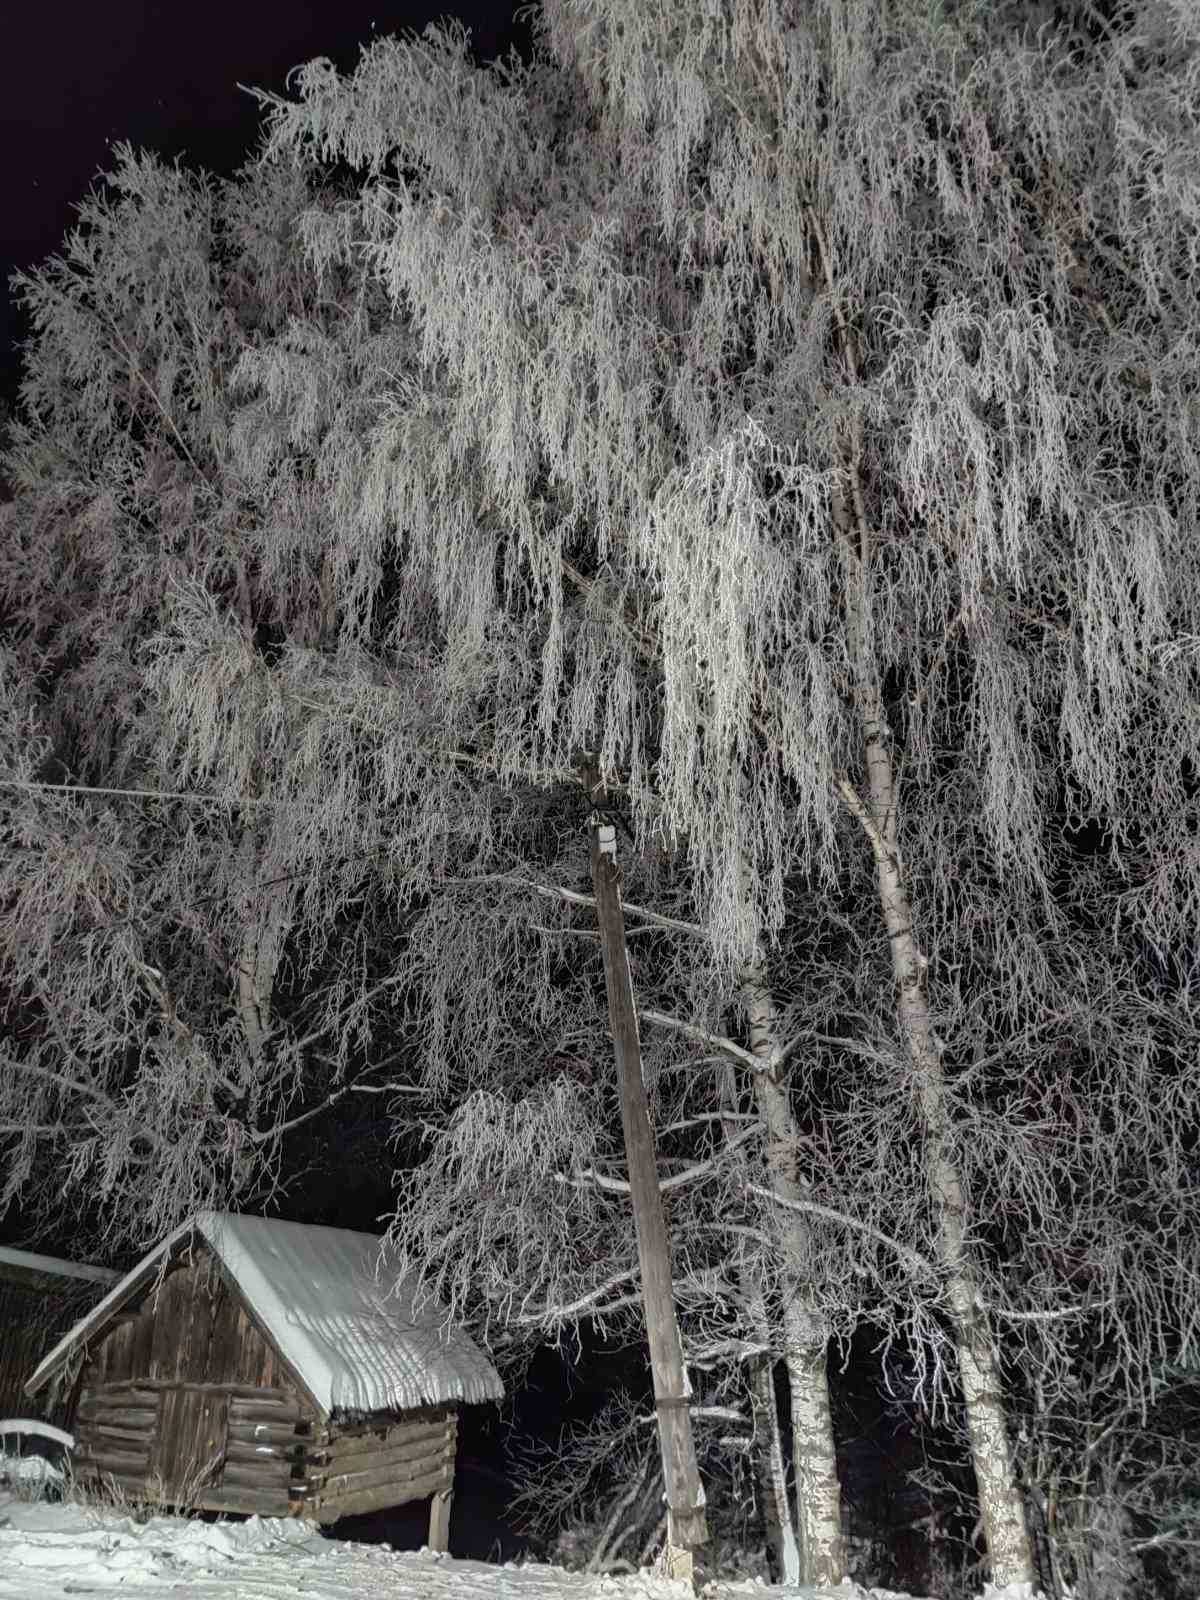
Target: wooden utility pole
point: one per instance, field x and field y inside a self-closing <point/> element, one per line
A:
<point x="686" y="1524"/>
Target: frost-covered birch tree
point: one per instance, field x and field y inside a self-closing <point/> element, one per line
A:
<point x="796" y="405"/>
<point x="224" y="732"/>
<point x="839" y="357"/>
<point x="202" y="680"/>
<point x="182" y="977"/>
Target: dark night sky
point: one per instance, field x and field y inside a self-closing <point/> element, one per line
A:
<point x="74" y="78"/>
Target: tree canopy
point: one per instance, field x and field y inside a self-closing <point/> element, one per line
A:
<point x="793" y="405"/>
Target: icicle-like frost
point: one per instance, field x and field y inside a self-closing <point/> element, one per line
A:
<point x="656" y="397"/>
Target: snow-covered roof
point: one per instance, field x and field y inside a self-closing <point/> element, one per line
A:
<point x="355" y="1344"/>
<point x="54" y="1266"/>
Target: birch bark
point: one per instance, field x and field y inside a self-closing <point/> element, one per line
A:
<point x="780" y="1525"/>
<point x="1001" y="1507"/>
<point x="822" y="1555"/>
<point x="258" y="955"/>
<point x="772" y="1474"/>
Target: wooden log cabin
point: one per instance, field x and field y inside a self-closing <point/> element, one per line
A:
<point x="248" y="1365"/>
<point x="40" y="1298"/>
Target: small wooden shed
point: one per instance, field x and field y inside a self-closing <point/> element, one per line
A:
<point x="250" y="1365"/>
<point x="40" y="1298"/>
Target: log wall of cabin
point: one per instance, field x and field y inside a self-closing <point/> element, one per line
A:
<point x="183" y="1397"/>
<point x="367" y="1466"/>
<point x="266" y="1442"/>
<point x="186" y="1374"/>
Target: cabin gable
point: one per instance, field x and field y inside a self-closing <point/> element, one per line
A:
<point x="191" y="1325"/>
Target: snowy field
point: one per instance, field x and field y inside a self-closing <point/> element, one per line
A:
<point x="50" y="1550"/>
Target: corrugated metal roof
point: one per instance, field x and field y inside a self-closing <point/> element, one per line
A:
<point x="355" y="1343"/>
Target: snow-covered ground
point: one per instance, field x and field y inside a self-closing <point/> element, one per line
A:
<point x="50" y="1550"/>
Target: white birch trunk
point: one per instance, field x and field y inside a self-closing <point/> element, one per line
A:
<point x="258" y="955"/>
<point x="1001" y="1507"/>
<point x="772" y="1475"/>
<point x="768" y="1440"/>
<point x="822" y="1555"/>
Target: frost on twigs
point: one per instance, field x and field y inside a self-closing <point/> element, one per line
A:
<point x="795" y="406"/>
